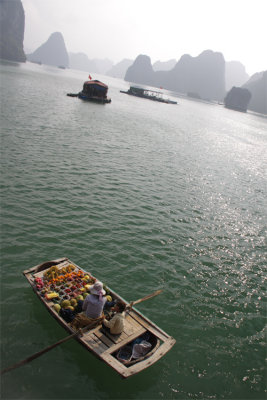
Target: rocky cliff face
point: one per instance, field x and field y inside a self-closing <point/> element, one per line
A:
<point x="141" y="71"/>
<point x="235" y="74"/>
<point x="52" y="52"/>
<point x="164" y="65"/>
<point x="81" y="62"/>
<point x="237" y="99"/>
<point x="12" y="22"/>
<point x="257" y="85"/>
<point x="204" y="75"/>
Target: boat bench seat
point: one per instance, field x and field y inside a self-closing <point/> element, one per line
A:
<point x="114" y="338"/>
<point x="130" y="327"/>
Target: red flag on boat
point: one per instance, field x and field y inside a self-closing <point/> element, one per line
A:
<point x="89" y="77"/>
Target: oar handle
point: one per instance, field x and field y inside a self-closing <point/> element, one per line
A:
<point x="149" y="296"/>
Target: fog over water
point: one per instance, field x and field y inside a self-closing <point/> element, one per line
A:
<point x="163" y="30"/>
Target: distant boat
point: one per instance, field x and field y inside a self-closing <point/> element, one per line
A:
<point x="148" y="94"/>
<point x="61" y="67"/>
<point x="93" y="90"/>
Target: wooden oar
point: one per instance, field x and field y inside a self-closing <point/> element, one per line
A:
<point x="149" y="296"/>
<point x="80" y="332"/>
<point x="39" y="353"/>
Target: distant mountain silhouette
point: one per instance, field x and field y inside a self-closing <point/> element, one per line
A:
<point x="237" y="99"/>
<point x="81" y="62"/>
<point x="164" y="65"/>
<point x="257" y="85"/>
<point x="203" y="75"/>
<point x="235" y="74"/>
<point x="52" y="52"/>
<point x="141" y="71"/>
<point x="119" y="70"/>
<point x="12" y="22"/>
<point x="102" y="65"/>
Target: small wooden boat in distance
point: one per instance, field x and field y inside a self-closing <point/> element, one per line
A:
<point x="59" y="279"/>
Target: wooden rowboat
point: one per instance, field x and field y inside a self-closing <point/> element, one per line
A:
<point x="114" y="350"/>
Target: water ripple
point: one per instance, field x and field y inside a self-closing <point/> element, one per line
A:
<point x="144" y="199"/>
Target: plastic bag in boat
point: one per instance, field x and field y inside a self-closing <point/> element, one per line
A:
<point x="125" y="354"/>
<point x="141" y="349"/>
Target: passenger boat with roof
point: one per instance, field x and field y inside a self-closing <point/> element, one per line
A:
<point x="93" y="90"/>
<point x="148" y="94"/>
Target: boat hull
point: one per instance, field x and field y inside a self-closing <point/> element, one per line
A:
<point x="149" y="97"/>
<point x="94" y="99"/>
<point x="102" y="344"/>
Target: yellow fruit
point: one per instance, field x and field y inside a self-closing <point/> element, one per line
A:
<point x="73" y="302"/>
<point x="65" y="303"/>
<point x="70" y="308"/>
<point x="85" y="294"/>
<point x="82" y="289"/>
<point x="88" y="287"/>
<point x="79" y="297"/>
<point x="56" y="307"/>
<point x="109" y="298"/>
<point x="51" y="295"/>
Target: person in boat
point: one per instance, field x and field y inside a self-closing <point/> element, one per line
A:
<point x="92" y="308"/>
<point x="116" y="324"/>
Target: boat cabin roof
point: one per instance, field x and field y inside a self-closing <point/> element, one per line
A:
<point x="97" y="84"/>
<point x="145" y="91"/>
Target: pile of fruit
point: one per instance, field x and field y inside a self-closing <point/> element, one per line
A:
<point x="65" y="286"/>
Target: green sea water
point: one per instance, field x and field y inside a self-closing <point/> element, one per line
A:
<point x="145" y="196"/>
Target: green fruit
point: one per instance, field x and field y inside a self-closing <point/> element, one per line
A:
<point x="73" y="302"/>
<point x="65" y="303"/>
<point x="79" y="297"/>
<point x="56" y="307"/>
<point x="85" y="294"/>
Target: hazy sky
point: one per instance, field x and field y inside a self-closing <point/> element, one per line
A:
<point x="161" y="29"/>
